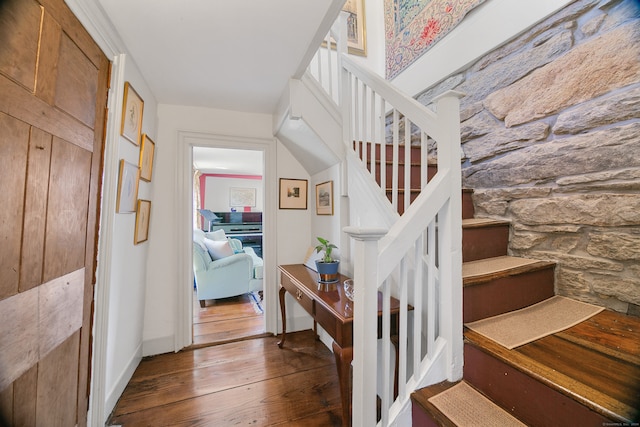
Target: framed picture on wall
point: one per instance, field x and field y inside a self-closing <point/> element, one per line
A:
<point x="143" y="213"/>
<point x="132" y="106"/>
<point x="356" y="32"/>
<point x="242" y="197"/>
<point x="293" y="193"/>
<point x="127" y="187"/>
<point x="147" y="149"/>
<point x="324" y="198"/>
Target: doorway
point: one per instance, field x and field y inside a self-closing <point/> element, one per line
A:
<point x="228" y="206"/>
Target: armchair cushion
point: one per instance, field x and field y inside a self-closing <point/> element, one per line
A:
<point x="198" y="237"/>
<point x="236" y="245"/>
<point x="257" y="263"/>
<point x="218" y="249"/>
<point x="217" y="235"/>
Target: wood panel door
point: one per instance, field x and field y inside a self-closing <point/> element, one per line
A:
<point x="53" y="95"/>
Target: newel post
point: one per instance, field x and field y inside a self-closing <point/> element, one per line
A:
<point x="450" y="226"/>
<point x="365" y="324"/>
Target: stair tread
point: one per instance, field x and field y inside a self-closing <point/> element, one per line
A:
<point x="483" y="222"/>
<point x="491" y="268"/>
<point x="595" y="362"/>
<point x="479" y="404"/>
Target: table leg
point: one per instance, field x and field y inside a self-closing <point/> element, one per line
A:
<point x="344" y="356"/>
<point x="395" y="340"/>
<point x="283" y="312"/>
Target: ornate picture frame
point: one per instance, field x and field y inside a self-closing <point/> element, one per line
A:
<point x="132" y="109"/>
<point x="147" y="150"/>
<point x="143" y="213"/>
<point x="293" y="193"/>
<point x="127" y="187"/>
<point x="324" y="198"/>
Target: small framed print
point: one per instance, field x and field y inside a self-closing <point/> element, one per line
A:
<point x="239" y="197"/>
<point x="147" y="149"/>
<point x="132" y="107"/>
<point x="143" y="213"/>
<point x="356" y="32"/>
<point x="324" y="198"/>
<point x="127" y="187"/>
<point x="293" y="193"/>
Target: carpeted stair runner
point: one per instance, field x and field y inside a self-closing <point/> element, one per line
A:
<point x="520" y="327"/>
<point x="466" y="407"/>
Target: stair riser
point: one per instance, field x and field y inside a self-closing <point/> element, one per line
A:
<point x="415" y="152"/>
<point x="507" y="294"/>
<point x="485" y="242"/>
<point x="415" y="181"/>
<point x="467" y="203"/>
<point x="527" y="399"/>
<point x="421" y="418"/>
<point x="468" y="211"/>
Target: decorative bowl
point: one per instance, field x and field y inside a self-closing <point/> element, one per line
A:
<point x="348" y="288"/>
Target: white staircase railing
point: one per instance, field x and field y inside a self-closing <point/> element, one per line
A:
<point x="417" y="263"/>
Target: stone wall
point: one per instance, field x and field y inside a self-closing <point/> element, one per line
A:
<point x="551" y="141"/>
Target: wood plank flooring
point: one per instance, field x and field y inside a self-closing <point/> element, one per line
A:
<point x="249" y="382"/>
<point x="226" y="320"/>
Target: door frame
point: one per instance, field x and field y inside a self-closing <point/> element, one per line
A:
<point x="98" y="395"/>
<point x="184" y="214"/>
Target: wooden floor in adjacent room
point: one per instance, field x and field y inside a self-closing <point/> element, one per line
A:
<point x="248" y="382"/>
<point x="226" y="320"/>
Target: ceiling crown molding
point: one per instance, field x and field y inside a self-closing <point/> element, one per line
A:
<point x="93" y="17"/>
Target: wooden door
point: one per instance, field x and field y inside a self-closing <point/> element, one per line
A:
<point x="53" y="94"/>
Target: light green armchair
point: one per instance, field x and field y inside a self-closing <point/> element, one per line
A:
<point x="232" y="275"/>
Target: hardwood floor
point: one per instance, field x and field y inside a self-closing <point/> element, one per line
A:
<point x="226" y="320"/>
<point x="249" y="382"/>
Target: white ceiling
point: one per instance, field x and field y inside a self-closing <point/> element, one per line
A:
<point x="229" y="54"/>
<point x="228" y="161"/>
<point x="226" y="54"/>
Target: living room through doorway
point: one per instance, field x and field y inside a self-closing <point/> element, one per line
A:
<point x="228" y="206"/>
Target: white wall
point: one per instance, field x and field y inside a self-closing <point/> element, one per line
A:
<point x="216" y="192"/>
<point x="328" y="226"/>
<point x="128" y="262"/>
<point x="293" y="236"/>
<point x="163" y="279"/>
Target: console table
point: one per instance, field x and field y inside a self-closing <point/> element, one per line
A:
<point x="329" y="306"/>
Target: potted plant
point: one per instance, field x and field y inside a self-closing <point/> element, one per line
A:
<point x="327" y="266"/>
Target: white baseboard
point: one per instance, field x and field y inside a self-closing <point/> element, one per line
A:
<point x="299" y="323"/>
<point x="114" y="394"/>
<point x="158" y="346"/>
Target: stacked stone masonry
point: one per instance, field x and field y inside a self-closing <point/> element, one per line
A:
<point x="551" y="141"/>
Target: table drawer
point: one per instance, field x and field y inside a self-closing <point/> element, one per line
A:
<point x="300" y="297"/>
